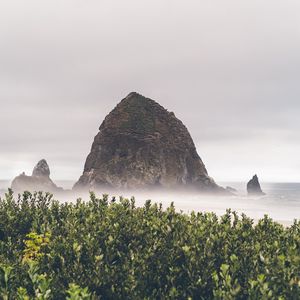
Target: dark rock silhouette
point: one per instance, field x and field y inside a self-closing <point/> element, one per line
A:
<point x="41" y="169"/>
<point x="38" y="181"/>
<point x="142" y="145"/>
<point x="253" y="187"/>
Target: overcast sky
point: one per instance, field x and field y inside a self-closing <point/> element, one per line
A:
<point x="229" y="69"/>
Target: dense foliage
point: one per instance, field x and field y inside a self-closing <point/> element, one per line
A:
<point x="104" y="249"/>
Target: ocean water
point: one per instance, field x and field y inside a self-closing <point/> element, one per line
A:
<point x="281" y="202"/>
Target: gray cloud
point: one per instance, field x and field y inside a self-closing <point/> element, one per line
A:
<point x="230" y="71"/>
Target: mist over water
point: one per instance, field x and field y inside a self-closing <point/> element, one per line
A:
<point x="282" y="202"/>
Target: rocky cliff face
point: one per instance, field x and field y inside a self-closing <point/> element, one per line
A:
<point x="253" y="187"/>
<point x="38" y="181"/>
<point x="140" y="145"/>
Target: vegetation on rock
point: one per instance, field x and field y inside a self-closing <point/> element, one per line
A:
<point x="107" y="249"/>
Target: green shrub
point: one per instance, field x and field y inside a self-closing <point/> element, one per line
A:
<point x="104" y="249"/>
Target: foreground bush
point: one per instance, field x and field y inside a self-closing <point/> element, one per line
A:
<point x="105" y="249"/>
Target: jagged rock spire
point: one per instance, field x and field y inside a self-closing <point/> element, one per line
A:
<point x="41" y="169"/>
<point x="253" y="186"/>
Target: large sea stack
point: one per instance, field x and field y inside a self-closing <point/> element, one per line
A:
<point x="142" y="145"/>
<point x="38" y="181"/>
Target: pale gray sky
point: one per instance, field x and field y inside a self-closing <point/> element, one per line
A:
<point x="229" y="69"/>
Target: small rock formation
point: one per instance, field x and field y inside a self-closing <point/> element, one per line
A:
<point x="41" y="169"/>
<point x="38" y="181"/>
<point x="253" y="187"/>
<point x="142" y="145"/>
